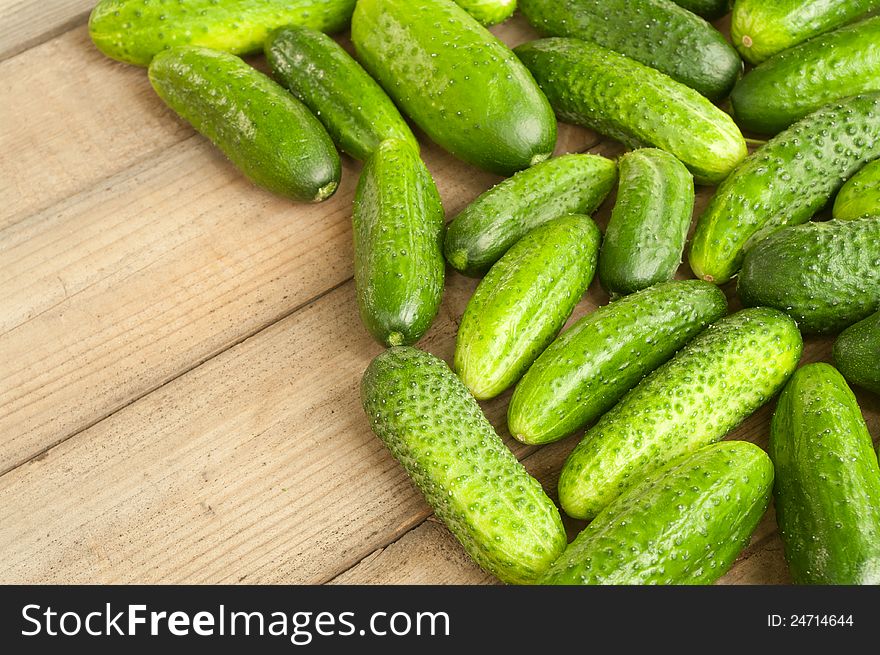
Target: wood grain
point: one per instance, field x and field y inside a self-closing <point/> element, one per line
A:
<point x="26" y="23"/>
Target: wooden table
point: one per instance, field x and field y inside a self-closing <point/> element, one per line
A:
<point x="180" y="352"/>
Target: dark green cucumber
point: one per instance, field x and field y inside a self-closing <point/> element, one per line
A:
<point x="649" y="224"/>
<point x="657" y="33"/>
<point x="708" y="9"/>
<point x="489" y="12"/>
<point x="350" y="104"/>
<point x="683" y="524"/>
<point x="857" y="353"/>
<point x="398" y="233"/>
<point x="436" y="430"/>
<point x="759" y="29"/>
<point x="134" y="31"/>
<point x="860" y="196"/>
<point x="785" y="182"/>
<point x="523" y="302"/>
<point x="710" y="386"/>
<point x="826" y="276"/>
<point x="460" y="84"/>
<point x="827" y="481"/>
<point x="269" y="135"/>
<point x="590" y="366"/>
<point x="485" y="229"/>
<point x="639" y="106"/>
<point x="796" y="82"/>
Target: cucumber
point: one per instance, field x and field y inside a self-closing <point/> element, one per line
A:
<point x="639" y="106"/>
<point x="785" y="182"/>
<point x="708" y="9"/>
<point x="436" y="430"/>
<point x="488" y="12"/>
<point x="134" y="31"/>
<point x="683" y="524"/>
<point x="759" y="29"/>
<point x="827" y="481"/>
<point x="460" y="84"/>
<point x="590" y="366"/>
<point x="523" y="302"/>
<point x="860" y="196"/>
<point x="350" y="104"/>
<point x="709" y="387"/>
<point x="398" y="232"/>
<point x="485" y="229"/>
<point x="649" y="224"/>
<point x="857" y="353"/>
<point x="796" y="82"/>
<point x="269" y="135"/>
<point x="826" y="276"/>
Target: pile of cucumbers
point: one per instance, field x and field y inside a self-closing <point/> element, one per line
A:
<point x="655" y="379"/>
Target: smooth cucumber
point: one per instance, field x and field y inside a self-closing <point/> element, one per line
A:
<point x="523" y="302"/>
<point x="857" y="353"/>
<point x="491" y="224"/>
<point x="268" y="134"/>
<point x="594" y="363"/>
<point x="352" y="106"/>
<point x="708" y="9"/>
<point x="488" y="12"/>
<point x="134" y="31"/>
<point x="637" y="105"/>
<point x="712" y="384"/>
<point x="459" y="83"/>
<point x="860" y="196"/>
<point x="657" y="33"/>
<point x="785" y="182"/>
<point x="826" y="276"/>
<point x="683" y="524"/>
<point x="827" y="481"/>
<point x="398" y="233"/>
<point x="645" y="237"/>
<point x="436" y="430"/>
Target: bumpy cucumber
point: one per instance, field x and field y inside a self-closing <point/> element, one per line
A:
<point x="684" y="524"/>
<point x="398" y="233"/>
<point x="785" y="182"/>
<point x="606" y="353"/>
<point x="860" y="196"/>
<point x="657" y="33"/>
<point x="857" y="353"/>
<point x="649" y="224"/>
<point x="489" y="12"/>
<point x="523" y="302"/>
<point x="485" y="229"/>
<point x="827" y="481"/>
<point x="134" y="31"/>
<point x="759" y="29"/>
<point x="709" y="387"/>
<point x="350" y="104"/>
<point x="459" y="83"/>
<point x="639" y="106"/>
<point x="790" y="85"/>
<point x="265" y="132"/>
<point x="436" y="430"/>
<point x="708" y="9"/>
<point x="826" y="276"/>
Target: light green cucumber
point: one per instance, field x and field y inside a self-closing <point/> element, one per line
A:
<point x="489" y="12"/>
<point x="857" y="353"/>
<point x="860" y="196"/>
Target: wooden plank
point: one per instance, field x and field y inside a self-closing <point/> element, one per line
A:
<point x="25" y="23"/>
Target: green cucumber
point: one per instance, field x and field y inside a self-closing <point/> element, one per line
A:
<point x="649" y="224"/>
<point x="488" y="12"/>
<point x="639" y="106"/>
<point x="708" y="9"/>
<point x="269" y="135"/>
<point x="759" y="29"/>
<point x="436" y="430"/>
<point x="523" y="302"/>
<point x="657" y="33"/>
<point x="350" y="104"/>
<point x="398" y="233"/>
<point x="796" y="82"/>
<point x="134" y="31"/>
<point x="785" y="182"/>
<point x="459" y="83"/>
<point x="683" y="524"/>
<point x="827" y="481"/>
<point x="491" y="224"/>
<point x="709" y="387"/>
<point x="826" y="276"/>
<point x="590" y="366"/>
<point x="857" y="353"/>
<point x="860" y="196"/>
